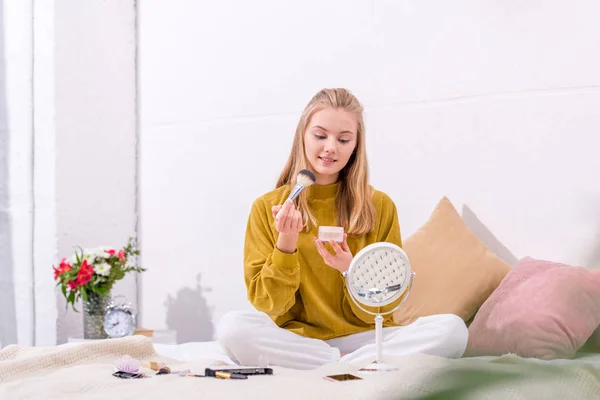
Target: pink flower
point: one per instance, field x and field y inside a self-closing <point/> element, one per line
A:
<point x="121" y="255"/>
<point x="110" y="252"/>
<point x="85" y="273"/>
<point x="62" y="268"/>
<point x="82" y="279"/>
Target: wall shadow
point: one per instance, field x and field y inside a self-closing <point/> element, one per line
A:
<point x="593" y="260"/>
<point x="487" y="237"/>
<point x="8" y="317"/>
<point x="189" y="314"/>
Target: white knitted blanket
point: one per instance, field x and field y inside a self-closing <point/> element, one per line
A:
<point x="85" y="371"/>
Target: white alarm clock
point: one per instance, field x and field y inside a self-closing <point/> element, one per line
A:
<point x="119" y="320"/>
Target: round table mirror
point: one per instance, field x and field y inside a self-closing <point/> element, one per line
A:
<point x="379" y="275"/>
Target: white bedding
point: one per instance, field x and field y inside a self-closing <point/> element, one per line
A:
<point x="193" y="351"/>
<point x="84" y="371"/>
<point x="213" y="351"/>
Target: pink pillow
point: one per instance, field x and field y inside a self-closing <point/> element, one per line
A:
<point x="541" y="309"/>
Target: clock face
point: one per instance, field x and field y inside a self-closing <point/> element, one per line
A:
<point x="118" y="323"/>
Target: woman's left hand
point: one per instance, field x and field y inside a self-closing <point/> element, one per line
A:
<point x="341" y="259"/>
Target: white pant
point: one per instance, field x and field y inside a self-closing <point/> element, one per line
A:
<point x="252" y="338"/>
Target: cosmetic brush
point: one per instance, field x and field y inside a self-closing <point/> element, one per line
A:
<point x="304" y="180"/>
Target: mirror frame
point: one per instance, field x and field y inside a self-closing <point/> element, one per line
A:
<point x="406" y="285"/>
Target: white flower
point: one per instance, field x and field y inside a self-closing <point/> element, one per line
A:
<point x="85" y="255"/>
<point x="102" y="252"/>
<point x="102" y="269"/>
<point x="130" y="262"/>
<point x="89" y="255"/>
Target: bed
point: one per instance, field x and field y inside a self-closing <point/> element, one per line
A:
<point x="476" y="284"/>
<point x="84" y="370"/>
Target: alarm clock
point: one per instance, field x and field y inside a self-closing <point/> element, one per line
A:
<point x="119" y="320"/>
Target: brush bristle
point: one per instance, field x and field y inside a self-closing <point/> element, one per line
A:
<point x="306" y="178"/>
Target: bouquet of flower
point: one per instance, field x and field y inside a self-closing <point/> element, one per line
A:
<point x="94" y="271"/>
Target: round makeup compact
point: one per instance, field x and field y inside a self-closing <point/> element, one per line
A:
<point x="331" y="233"/>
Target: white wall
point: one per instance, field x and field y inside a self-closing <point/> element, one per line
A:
<point x="68" y="153"/>
<point x="44" y="233"/>
<point x="494" y="104"/>
<point x="95" y="134"/>
<point x="27" y="225"/>
<point x="17" y="132"/>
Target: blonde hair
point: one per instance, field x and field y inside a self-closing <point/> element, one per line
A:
<point x="355" y="210"/>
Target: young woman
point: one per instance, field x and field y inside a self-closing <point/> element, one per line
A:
<point x="305" y="316"/>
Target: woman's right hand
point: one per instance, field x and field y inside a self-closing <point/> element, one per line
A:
<point x="288" y="222"/>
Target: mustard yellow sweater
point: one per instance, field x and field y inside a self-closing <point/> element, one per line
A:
<point x="299" y="291"/>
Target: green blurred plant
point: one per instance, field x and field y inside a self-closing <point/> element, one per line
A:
<point x="471" y="381"/>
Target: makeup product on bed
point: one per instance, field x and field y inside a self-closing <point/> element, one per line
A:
<point x="128" y="364"/>
<point x="230" y="375"/>
<point x="329" y="233"/>
<point x="153" y="365"/>
<point x="164" y="370"/>
<point x="195" y="375"/>
<point x="220" y="375"/>
<point x="239" y="370"/>
<point x="128" y="367"/>
<point x="305" y="179"/>
<point x="129" y="375"/>
<point x="181" y="373"/>
<point x="342" y="377"/>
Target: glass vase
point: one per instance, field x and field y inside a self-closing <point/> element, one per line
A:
<point x="94" y="311"/>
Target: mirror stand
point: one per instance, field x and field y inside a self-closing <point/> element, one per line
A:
<point x="380" y="274"/>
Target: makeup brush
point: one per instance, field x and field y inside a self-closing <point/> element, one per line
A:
<point x="304" y="180"/>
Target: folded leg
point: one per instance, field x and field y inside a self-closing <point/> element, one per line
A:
<point x="247" y="336"/>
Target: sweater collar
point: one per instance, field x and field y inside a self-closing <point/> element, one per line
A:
<point x="323" y="191"/>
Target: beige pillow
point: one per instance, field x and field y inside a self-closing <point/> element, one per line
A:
<point x="455" y="271"/>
